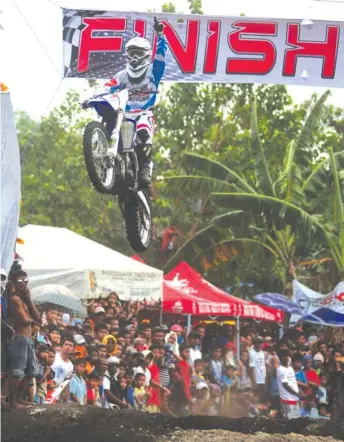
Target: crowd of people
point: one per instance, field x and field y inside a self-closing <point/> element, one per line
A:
<point x="117" y="358"/>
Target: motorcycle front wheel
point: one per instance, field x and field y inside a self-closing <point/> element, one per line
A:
<point x="99" y="168"/>
<point x="138" y="221"/>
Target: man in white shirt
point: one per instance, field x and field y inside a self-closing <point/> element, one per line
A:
<point x="63" y="366"/>
<point x="258" y="368"/>
<point x="194" y="342"/>
<point x="287" y="387"/>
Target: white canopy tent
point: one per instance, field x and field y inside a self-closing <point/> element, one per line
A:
<point x="55" y="255"/>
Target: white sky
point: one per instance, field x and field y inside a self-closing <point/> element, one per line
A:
<point x="33" y="79"/>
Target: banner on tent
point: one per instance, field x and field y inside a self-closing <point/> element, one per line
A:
<point x="209" y="49"/>
<point x="320" y="309"/>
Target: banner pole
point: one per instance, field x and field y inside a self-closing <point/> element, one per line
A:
<point x="238" y="338"/>
<point x="189" y="323"/>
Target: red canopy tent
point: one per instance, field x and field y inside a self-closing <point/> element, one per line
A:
<point x="176" y="300"/>
<point x="210" y="300"/>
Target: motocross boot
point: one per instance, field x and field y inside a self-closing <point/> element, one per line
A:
<point x="144" y="155"/>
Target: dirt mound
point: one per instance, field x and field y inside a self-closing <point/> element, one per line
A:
<point x="225" y="436"/>
<point x="88" y="424"/>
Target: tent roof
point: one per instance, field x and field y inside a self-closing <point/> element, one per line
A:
<point x="184" y="277"/>
<point x="58" y="248"/>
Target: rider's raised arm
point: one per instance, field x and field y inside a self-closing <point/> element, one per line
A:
<point x="159" y="59"/>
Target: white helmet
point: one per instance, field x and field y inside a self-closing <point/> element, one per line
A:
<point x="138" y="52"/>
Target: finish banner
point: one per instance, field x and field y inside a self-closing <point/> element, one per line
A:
<point x="209" y="49"/>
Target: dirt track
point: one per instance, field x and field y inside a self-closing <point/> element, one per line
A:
<point x="87" y="424"/>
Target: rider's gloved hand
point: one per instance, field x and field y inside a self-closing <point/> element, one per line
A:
<point x="85" y="105"/>
<point x="158" y="26"/>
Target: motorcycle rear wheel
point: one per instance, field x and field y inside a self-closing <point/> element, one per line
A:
<point x="101" y="175"/>
<point x="139" y="233"/>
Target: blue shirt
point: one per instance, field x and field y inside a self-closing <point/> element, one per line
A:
<point x="301" y="377"/>
<point x="78" y="388"/>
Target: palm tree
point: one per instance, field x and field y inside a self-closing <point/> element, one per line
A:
<point x="283" y="216"/>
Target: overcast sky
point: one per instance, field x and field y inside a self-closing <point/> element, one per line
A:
<point x="34" y="79"/>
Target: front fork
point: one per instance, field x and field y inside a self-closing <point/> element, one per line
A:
<point x="113" y="150"/>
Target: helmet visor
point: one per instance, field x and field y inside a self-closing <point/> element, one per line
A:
<point x="136" y="53"/>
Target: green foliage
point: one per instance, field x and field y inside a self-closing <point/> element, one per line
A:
<point x="168" y="7"/>
<point x="271" y="202"/>
<point x="195" y="6"/>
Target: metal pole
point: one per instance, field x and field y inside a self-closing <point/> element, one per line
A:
<point x="189" y="323"/>
<point x="238" y="338"/>
<point x="161" y="316"/>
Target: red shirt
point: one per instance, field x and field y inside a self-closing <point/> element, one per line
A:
<point x="184" y="371"/>
<point x="155" y="399"/>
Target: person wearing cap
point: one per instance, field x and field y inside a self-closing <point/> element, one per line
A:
<point x="110" y="385"/>
<point x="258" y="368"/>
<point x="202" y="401"/>
<point x="80" y="346"/>
<point x="288" y="388"/>
<point x="318" y="360"/>
<point x="77" y="385"/>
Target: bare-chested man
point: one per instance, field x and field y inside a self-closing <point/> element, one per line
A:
<point x="22" y="314"/>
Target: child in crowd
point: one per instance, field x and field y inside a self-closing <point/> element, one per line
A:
<point x="228" y="380"/>
<point x="93" y="389"/>
<point x="44" y="371"/>
<point x="126" y="393"/>
<point x="216" y="365"/>
<point x="198" y="372"/>
<point x="77" y="386"/>
<point x="321" y="393"/>
<point x="141" y="392"/>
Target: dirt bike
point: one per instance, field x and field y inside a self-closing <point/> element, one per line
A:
<point x="112" y="165"/>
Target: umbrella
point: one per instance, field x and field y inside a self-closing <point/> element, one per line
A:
<point x="58" y="295"/>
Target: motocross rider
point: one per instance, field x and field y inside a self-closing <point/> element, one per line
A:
<point x="140" y="76"/>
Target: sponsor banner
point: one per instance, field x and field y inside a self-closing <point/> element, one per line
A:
<point x="89" y="284"/>
<point x="318" y="308"/>
<point x="209" y="49"/>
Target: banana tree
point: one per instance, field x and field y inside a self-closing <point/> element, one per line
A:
<point x="280" y="215"/>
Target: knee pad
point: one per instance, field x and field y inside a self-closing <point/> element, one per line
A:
<point x="142" y="135"/>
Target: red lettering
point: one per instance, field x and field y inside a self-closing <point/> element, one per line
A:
<point x="325" y="49"/>
<point x="89" y="43"/>
<point x="140" y="27"/>
<point x="240" y="44"/>
<point x="186" y="56"/>
<point x="212" y="47"/>
<point x="340" y="297"/>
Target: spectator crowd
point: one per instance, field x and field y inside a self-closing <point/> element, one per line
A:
<point x="117" y="358"/>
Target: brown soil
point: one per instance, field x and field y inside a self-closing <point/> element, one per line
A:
<point x="58" y="423"/>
